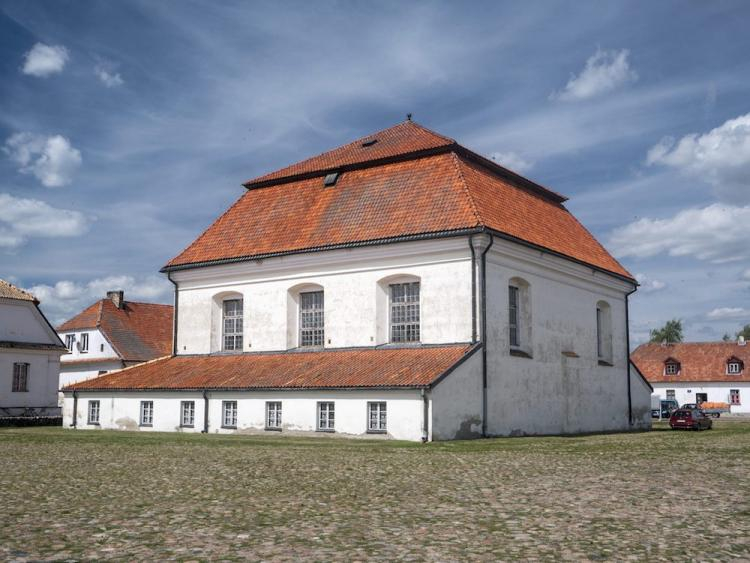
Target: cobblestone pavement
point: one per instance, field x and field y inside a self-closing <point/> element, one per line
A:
<point x="76" y="495"/>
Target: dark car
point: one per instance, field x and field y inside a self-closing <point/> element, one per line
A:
<point x="690" y="419"/>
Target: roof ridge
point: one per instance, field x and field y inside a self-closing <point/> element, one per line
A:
<point x="475" y="210"/>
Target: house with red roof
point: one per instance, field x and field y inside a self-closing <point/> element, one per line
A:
<point x="29" y="356"/>
<point x="112" y="334"/>
<point x="400" y="285"/>
<point x="698" y="372"/>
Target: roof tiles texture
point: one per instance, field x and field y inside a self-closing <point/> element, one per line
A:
<point x="437" y="193"/>
<point x="10" y="291"/>
<point x="699" y="361"/>
<point x="353" y="368"/>
<point x="138" y="331"/>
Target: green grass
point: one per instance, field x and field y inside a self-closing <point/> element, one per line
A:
<point x="97" y="495"/>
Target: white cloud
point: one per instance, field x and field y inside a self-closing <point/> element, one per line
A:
<point x="44" y="60"/>
<point x="67" y="298"/>
<point x="604" y="72"/>
<point x="746" y="275"/>
<point x="513" y="161"/>
<point x="723" y="313"/>
<point x="107" y="76"/>
<point x="53" y="160"/>
<point x="649" y="285"/>
<point x="21" y="219"/>
<point x="721" y="157"/>
<point x="717" y="233"/>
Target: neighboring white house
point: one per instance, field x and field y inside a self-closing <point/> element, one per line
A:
<point x="29" y="356"/>
<point x="399" y="285"/>
<point x="114" y="333"/>
<point x="698" y="372"/>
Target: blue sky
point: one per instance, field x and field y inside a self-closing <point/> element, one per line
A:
<point x="126" y="128"/>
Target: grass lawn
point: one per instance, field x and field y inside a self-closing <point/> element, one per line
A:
<point x="96" y="495"/>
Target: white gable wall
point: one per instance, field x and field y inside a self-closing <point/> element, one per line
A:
<point x="717" y="391"/>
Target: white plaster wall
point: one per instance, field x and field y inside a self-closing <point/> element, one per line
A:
<point x="99" y="346"/>
<point x="716" y="391"/>
<point x="44" y="367"/>
<point x="554" y="393"/>
<point x="21" y="321"/>
<point x="641" y="400"/>
<point x="350" y="281"/>
<point x="456" y="402"/>
<point x="73" y="374"/>
<point x="299" y="411"/>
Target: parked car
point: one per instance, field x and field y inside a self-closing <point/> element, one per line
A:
<point x="663" y="408"/>
<point x="690" y="419"/>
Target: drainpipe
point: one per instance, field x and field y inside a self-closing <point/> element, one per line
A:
<point x="205" y="412"/>
<point x="425" y="417"/>
<point x="627" y="354"/>
<point x="174" y="320"/>
<point x="75" y="409"/>
<point x="473" y="290"/>
<point x="483" y="321"/>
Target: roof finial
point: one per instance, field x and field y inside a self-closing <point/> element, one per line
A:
<point x="408" y="117"/>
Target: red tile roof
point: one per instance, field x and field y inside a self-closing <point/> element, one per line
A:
<point x="328" y="369"/>
<point x="699" y="361"/>
<point x="453" y="190"/>
<point x="137" y="332"/>
<point x="10" y="291"/>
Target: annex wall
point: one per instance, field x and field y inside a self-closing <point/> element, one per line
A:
<point x="43" y="372"/>
<point x="456" y="402"/>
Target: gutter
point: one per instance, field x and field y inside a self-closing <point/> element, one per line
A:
<point x="425" y="417"/>
<point x="483" y="327"/>
<point x="174" y="319"/>
<point x="627" y="353"/>
<point x="473" y="290"/>
<point x="205" y="412"/>
<point x="75" y="409"/>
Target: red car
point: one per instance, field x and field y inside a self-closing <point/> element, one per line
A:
<point x="690" y="419"/>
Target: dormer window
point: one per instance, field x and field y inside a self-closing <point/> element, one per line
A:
<point x="671" y="367"/>
<point x="734" y="366"/>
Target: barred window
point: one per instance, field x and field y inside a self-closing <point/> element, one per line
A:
<point x="670" y="395"/>
<point x="187" y="414"/>
<point x="93" y="412"/>
<point x="515" y="339"/>
<point x="147" y="413"/>
<point x="376" y="417"/>
<point x="20" y="378"/>
<point x="273" y="414"/>
<point x="229" y="414"/>
<point x="326" y="417"/>
<point x="232" y="324"/>
<point x="311" y="319"/>
<point x="405" y="312"/>
<point x="734" y="396"/>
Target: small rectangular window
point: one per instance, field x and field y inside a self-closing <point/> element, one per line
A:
<point x="20" y="378"/>
<point x="93" y="412"/>
<point x="671" y="368"/>
<point x="514" y="335"/>
<point x="734" y="396"/>
<point x="187" y="414"/>
<point x="326" y="417"/>
<point x="273" y="415"/>
<point x="405" y="314"/>
<point x="311" y="319"/>
<point x="147" y="413"/>
<point x="376" y="417"/>
<point x="670" y="394"/>
<point x="229" y="414"/>
<point x="84" y="343"/>
<point x="70" y="339"/>
<point x="734" y="368"/>
<point x="232" y="311"/>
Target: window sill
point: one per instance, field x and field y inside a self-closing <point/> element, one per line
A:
<point x="187" y="426"/>
<point x="272" y="429"/>
<point x="92" y="423"/>
<point x="606" y="363"/>
<point x="229" y="427"/>
<point x="20" y="391"/>
<point x="519" y="353"/>
<point x="146" y="425"/>
<point x="377" y="431"/>
<point x="327" y="430"/>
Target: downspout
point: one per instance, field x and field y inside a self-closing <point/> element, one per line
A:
<point x="627" y="354"/>
<point x="425" y="417"/>
<point x="483" y="281"/>
<point x="473" y="290"/>
<point x="205" y="412"/>
<point x="75" y="409"/>
<point x="174" y="320"/>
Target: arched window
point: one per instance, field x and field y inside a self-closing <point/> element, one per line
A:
<point x="399" y="311"/>
<point x="735" y="366"/>
<point x="604" y="333"/>
<point x="671" y="367"/>
<point x="232" y="322"/>
<point x="519" y="317"/>
<point x="306" y="316"/>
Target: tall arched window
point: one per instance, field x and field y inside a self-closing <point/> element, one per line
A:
<point x="519" y="317"/>
<point x="232" y="324"/>
<point x="404" y="311"/>
<point x="604" y="333"/>
<point x="306" y="316"/>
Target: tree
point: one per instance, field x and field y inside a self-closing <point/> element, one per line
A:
<point x="744" y="332"/>
<point x="670" y="332"/>
<point x="726" y="337"/>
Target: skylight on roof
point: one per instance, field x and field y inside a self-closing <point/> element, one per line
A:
<point x="369" y="142"/>
<point x="330" y="179"/>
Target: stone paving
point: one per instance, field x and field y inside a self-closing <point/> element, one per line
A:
<point x="662" y="495"/>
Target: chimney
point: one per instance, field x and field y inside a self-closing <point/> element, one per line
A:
<point x="118" y="298"/>
<point x="741" y="340"/>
